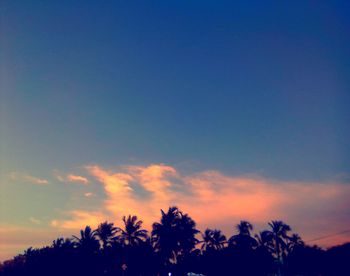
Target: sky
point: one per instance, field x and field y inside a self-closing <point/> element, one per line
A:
<point x="229" y="110"/>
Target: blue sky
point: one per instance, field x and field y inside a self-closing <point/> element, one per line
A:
<point x="241" y="88"/>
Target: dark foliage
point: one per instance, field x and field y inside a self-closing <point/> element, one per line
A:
<point x="173" y="247"/>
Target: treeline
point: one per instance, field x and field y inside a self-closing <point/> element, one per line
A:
<point x="175" y="246"/>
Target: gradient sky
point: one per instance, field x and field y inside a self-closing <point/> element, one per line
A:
<point x="229" y="110"/>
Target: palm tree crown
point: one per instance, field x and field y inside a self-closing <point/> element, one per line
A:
<point x="244" y="227"/>
<point x="87" y="240"/>
<point x="243" y="239"/>
<point x="174" y="236"/>
<point x="106" y="233"/>
<point x="132" y="234"/>
<point x="213" y="239"/>
<point x="277" y="237"/>
<point x="294" y="242"/>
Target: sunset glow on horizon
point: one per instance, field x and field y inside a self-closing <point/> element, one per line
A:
<point x="211" y="198"/>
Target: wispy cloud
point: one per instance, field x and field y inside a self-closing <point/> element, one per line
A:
<point x="79" y="219"/>
<point x="216" y="200"/>
<point x="34" y="220"/>
<point x="71" y="178"/>
<point x="17" y="176"/>
<point x="77" y="178"/>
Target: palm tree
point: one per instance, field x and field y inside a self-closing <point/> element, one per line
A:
<point x="163" y="234"/>
<point x="57" y="243"/>
<point x="106" y="233"/>
<point x="294" y="242"/>
<point x="277" y="237"/>
<point x="243" y="239"/>
<point x="62" y="243"/>
<point x="174" y="236"/>
<point x="264" y="241"/>
<point x="244" y="227"/>
<point x="187" y="233"/>
<point x="132" y="234"/>
<point x="213" y="240"/>
<point x="263" y="253"/>
<point x="87" y="240"/>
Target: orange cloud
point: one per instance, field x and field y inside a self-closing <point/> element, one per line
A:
<point x="154" y="179"/>
<point x="217" y="200"/>
<point x="79" y="219"/>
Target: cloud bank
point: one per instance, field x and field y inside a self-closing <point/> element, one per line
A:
<point x="214" y="199"/>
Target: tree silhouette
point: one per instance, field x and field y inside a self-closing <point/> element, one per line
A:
<point x="278" y="237"/>
<point x="264" y="240"/>
<point x="62" y="243"/>
<point x="172" y="248"/>
<point x="186" y="234"/>
<point x="132" y="234"/>
<point x="213" y="240"/>
<point x="163" y="235"/>
<point x="174" y="235"/>
<point x="87" y="241"/>
<point x="294" y="241"/>
<point x="311" y="260"/>
<point x="106" y="233"/>
<point x="244" y="227"/>
<point x="243" y="240"/>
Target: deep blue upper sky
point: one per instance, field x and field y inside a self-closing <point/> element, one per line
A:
<point x="252" y="87"/>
